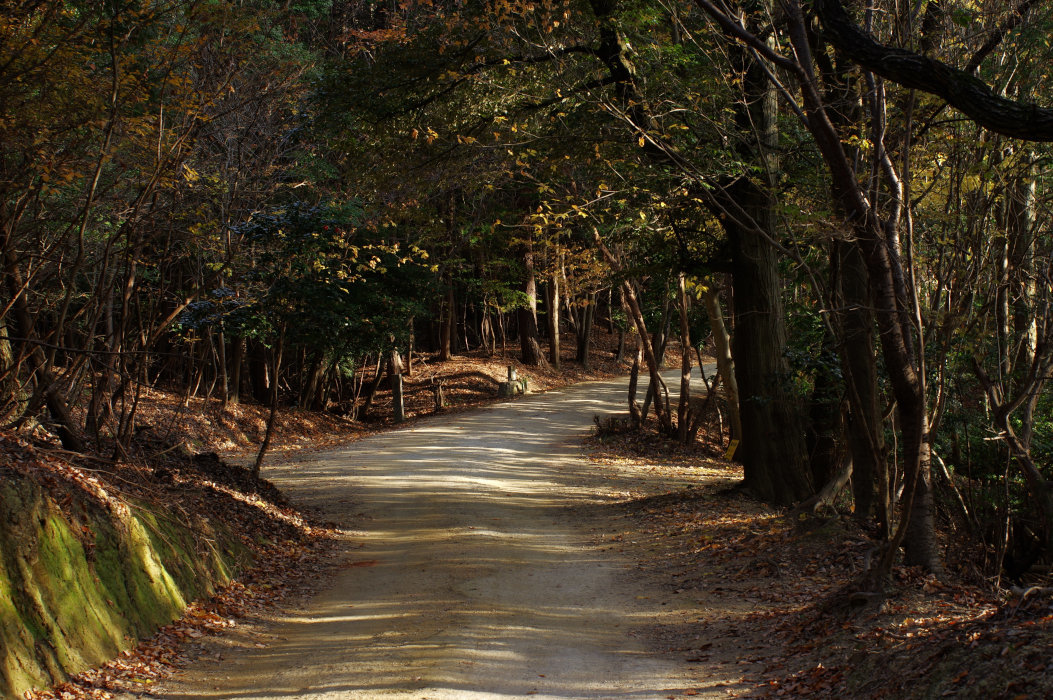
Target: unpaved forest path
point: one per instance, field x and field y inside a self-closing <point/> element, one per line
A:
<point x="470" y="571"/>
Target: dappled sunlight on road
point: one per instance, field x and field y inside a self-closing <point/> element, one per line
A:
<point x="471" y="579"/>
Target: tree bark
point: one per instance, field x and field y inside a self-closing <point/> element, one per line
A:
<point x="865" y="433"/>
<point x="962" y="90"/>
<point x="725" y="365"/>
<point x="660" y="404"/>
<point x="272" y="417"/>
<point x="529" y="340"/>
<point x="583" y="330"/>
<point x="447" y="316"/>
<point x="553" y="300"/>
<point x="683" y="412"/>
<point x="634" y="379"/>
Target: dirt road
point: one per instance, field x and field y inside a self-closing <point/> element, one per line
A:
<point x="469" y="572"/>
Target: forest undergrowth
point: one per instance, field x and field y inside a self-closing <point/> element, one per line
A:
<point x="191" y="456"/>
<point x="778" y="586"/>
<point x="770" y="584"/>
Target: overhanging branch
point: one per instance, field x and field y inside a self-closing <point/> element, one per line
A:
<point x="963" y="91"/>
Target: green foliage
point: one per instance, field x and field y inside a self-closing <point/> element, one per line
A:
<point x="319" y="283"/>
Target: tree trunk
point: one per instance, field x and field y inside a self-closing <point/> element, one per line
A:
<point x="447" y="316"/>
<point x="553" y="299"/>
<point x="683" y="411"/>
<point x="583" y="331"/>
<point x="258" y="372"/>
<point x="772" y="445"/>
<point x="661" y="406"/>
<point x="237" y="354"/>
<point x="39" y="366"/>
<point x="725" y="365"/>
<point x="272" y="417"/>
<point x="224" y="380"/>
<point x="529" y="340"/>
<point x="374" y="386"/>
<point x="826" y="428"/>
<point x="893" y="313"/>
<point x="314" y="378"/>
<point x="865" y="433"/>
<point x="634" y="379"/>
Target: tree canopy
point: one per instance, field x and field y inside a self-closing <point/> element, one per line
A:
<point x="266" y="197"/>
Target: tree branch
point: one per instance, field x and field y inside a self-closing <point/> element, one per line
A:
<point x="963" y="91"/>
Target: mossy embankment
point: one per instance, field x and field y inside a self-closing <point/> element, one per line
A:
<point x="85" y="571"/>
<point x="83" y="578"/>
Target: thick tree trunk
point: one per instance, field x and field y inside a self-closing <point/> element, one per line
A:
<point x="865" y="433"/>
<point x="826" y="428"/>
<point x="258" y="372"/>
<point x="772" y="445"/>
<point x="308" y="399"/>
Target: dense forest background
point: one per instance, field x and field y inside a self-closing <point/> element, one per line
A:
<point x="848" y="204"/>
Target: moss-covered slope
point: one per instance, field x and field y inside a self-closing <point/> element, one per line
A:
<point x="84" y="575"/>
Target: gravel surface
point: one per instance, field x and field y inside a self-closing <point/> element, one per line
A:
<point x="470" y="571"/>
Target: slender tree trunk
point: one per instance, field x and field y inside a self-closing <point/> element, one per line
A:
<point x="237" y="352"/>
<point x="374" y="386"/>
<point x="584" y="330"/>
<point x="12" y="398"/>
<point x="660" y="403"/>
<point x="683" y="412"/>
<point x="553" y="299"/>
<point x="224" y="382"/>
<point x="409" y="350"/>
<point x="53" y="399"/>
<point x="272" y="417"/>
<point x="725" y="365"/>
<point x="634" y="378"/>
<point x="447" y="314"/>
